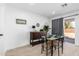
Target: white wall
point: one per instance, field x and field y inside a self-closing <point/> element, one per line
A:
<point x="2" y="14"/>
<point x="16" y="34"/>
<point x="77" y="30"/>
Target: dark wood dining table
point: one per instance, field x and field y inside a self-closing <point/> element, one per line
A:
<point x="58" y="39"/>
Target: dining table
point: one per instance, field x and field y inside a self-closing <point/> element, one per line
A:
<point x="52" y="41"/>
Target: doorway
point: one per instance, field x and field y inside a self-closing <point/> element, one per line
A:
<point x="69" y="30"/>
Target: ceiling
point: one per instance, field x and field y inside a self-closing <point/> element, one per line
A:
<point x="49" y="10"/>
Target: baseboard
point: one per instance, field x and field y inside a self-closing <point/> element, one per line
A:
<point x="23" y="44"/>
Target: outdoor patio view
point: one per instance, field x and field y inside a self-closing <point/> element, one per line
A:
<point x="69" y="30"/>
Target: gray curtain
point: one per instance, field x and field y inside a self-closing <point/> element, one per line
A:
<point x="57" y="26"/>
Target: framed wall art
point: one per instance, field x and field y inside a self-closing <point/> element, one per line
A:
<point x="21" y="21"/>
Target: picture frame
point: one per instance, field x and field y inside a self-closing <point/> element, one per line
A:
<point x="20" y="21"/>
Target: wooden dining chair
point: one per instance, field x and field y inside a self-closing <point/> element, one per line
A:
<point x="59" y="44"/>
<point x="46" y="45"/>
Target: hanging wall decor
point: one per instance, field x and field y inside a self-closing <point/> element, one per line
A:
<point x="20" y="21"/>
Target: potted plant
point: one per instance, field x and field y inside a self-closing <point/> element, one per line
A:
<point x="41" y="30"/>
<point x="46" y="28"/>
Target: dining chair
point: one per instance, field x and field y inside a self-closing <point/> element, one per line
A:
<point x="46" y="45"/>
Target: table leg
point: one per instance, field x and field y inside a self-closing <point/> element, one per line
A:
<point x="58" y="47"/>
<point x="51" y="48"/>
<point x="62" y="45"/>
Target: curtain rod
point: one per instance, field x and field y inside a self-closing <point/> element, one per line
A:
<point x="71" y="15"/>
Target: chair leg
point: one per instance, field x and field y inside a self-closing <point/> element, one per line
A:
<point x="55" y="47"/>
<point x="46" y="49"/>
<point x="42" y="49"/>
<point x="62" y="46"/>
